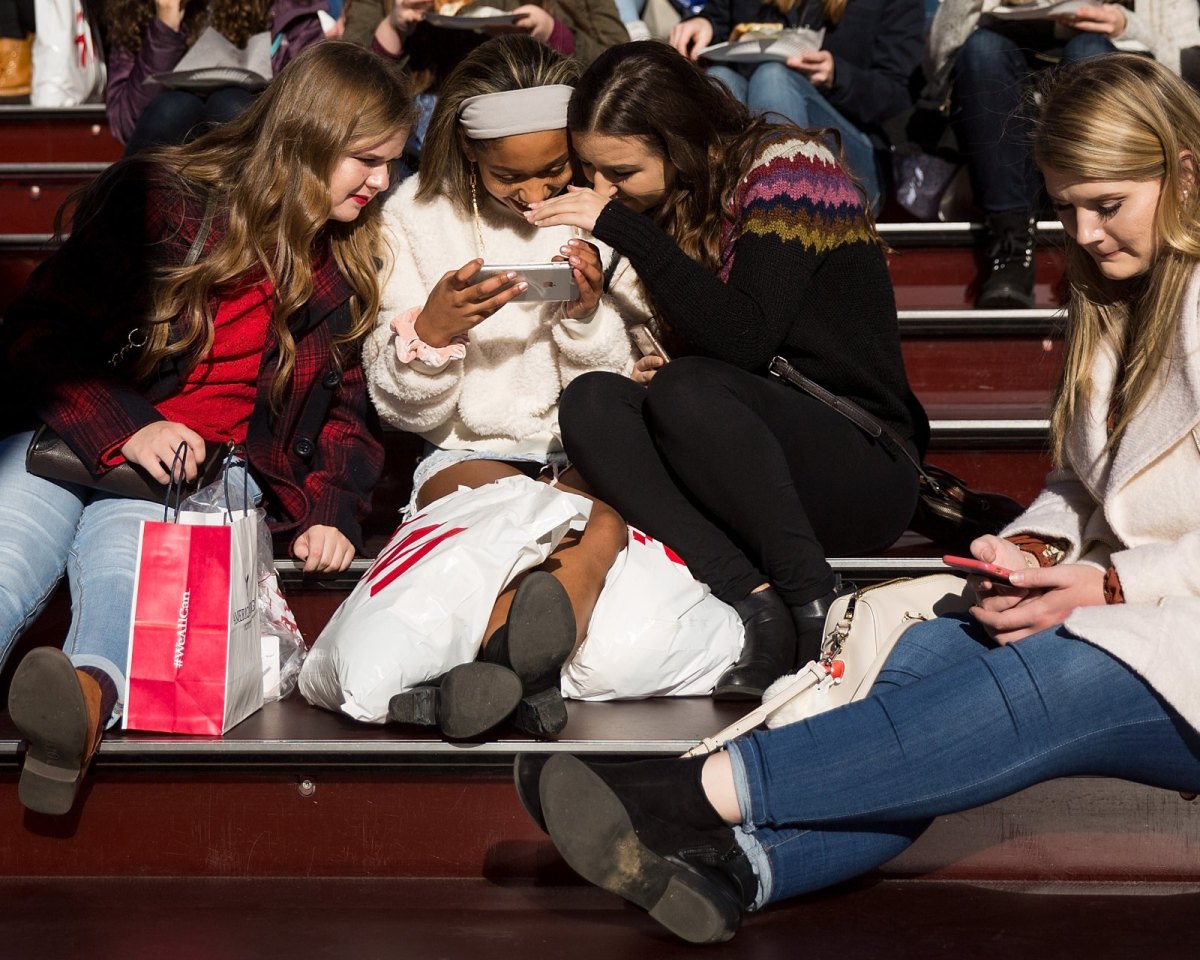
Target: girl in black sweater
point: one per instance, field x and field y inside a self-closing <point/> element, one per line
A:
<point x="752" y="242"/>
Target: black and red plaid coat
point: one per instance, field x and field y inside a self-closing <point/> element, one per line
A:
<point x="317" y="459"/>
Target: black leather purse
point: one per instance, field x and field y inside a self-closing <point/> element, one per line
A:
<point x="948" y="511"/>
<point x="49" y="457"/>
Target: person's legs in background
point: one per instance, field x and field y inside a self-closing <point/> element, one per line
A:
<point x="991" y="76"/>
<point x="171" y="118"/>
<point x="777" y="88"/>
<point x="227" y="103"/>
<point x="738" y="85"/>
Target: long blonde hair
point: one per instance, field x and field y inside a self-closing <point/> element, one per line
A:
<point x="1122" y="117"/>
<point x="507" y="62"/>
<point x="267" y="177"/>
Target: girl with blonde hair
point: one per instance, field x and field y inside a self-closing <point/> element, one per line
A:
<point x="211" y="294"/>
<point x="1087" y="664"/>
<point x="478" y="373"/>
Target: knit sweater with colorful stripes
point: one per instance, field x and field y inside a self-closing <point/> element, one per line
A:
<point x="800" y="276"/>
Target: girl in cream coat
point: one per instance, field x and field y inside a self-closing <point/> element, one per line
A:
<point x="1089" y="664"/>
<point x="479" y="376"/>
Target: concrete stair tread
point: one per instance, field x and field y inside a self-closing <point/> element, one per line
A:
<point x="291" y="731"/>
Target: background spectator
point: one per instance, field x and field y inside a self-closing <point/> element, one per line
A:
<point x="147" y="37"/>
<point x="856" y="81"/>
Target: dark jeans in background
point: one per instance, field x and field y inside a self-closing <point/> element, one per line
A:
<point x="992" y="76"/>
<point x="177" y="116"/>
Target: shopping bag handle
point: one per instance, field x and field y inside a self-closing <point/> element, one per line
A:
<point x="229" y="455"/>
<point x="176" y="482"/>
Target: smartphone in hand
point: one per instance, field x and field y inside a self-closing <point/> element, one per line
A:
<point x="979" y="567"/>
<point x="547" y="281"/>
<point x="646" y="342"/>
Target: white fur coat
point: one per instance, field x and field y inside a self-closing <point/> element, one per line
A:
<point x="1139" y="510"/>
<point x="503" y="397"/>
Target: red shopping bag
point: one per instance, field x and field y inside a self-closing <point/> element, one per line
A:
<point x="195" y="655"/>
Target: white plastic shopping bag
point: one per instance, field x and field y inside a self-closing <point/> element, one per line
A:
<point x="423" y="606"/>
<point x="67" y="69"/>
<point x="195" y="657"/>
<point x="656" y="631"/>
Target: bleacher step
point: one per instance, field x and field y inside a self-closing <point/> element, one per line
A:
<point x="469" y="919"/>
<point x="298" y="792"/>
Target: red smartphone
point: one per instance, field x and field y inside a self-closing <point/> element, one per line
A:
<point x="980" y="567"/>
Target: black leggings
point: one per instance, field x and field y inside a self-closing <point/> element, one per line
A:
<point x="747" y="478"/>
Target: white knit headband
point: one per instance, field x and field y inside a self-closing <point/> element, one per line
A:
<point x="490" y="116"/>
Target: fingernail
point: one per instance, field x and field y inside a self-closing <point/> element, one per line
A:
<point x="522" y="285"/>
<point x="510" y="276"/>
<point x="1017" y="579"/>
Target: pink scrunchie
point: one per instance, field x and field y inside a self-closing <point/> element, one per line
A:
<point x="410" y="347"/>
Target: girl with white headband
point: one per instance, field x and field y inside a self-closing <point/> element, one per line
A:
<point x="479" y="377"/>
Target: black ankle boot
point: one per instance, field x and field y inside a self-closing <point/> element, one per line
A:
<point x="768" y="652"/>
<point x="653" y="838"/>
<point x="463" y="702"/>
<point x="1009" y="280"/>
<point x="535" y="643"/>
<point x="527" y="775"/>
<point x="809" y="620"/>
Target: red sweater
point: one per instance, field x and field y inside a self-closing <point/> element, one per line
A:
<point x="217" y="397"/>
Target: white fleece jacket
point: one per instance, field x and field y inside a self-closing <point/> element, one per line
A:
<point x="503" y="397"/>
<point x="1139" y="510"/>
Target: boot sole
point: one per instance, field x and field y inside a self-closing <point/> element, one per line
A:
<point x="472" y="698"/>
<point x="737" y="692"/>
<point x="591" y="829"/>
<point x="541" y="636"/>
<point x="46" y="705"/>
<point x="541" y="630"/>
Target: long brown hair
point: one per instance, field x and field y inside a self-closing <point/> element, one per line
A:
<point x="1123" y="117"/>
<point x="267" y="175"/>
<point x="236" y="20"/>
<point x="648" y="91"/>
<point x="511" y="62"/>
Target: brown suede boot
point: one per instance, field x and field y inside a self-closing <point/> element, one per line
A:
<point x="58" y="711"/>
<point x="16" y="66"/>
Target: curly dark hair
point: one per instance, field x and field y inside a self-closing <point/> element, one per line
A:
<point x="236" y="20"/>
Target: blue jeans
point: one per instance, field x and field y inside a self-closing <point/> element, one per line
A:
<point x="630" y="10"/>
<point x="992" y="74"/>
<point x="176" y="116"/>
<point x="48" y="528"/>
<point x="777" y="88"/>
<point x="952" y="723"/>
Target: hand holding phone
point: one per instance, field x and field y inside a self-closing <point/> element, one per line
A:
<point x="543" y="281"/>
<point x="646" y="342"/>
<point x="978" y="567"/>
<point x="461" y="299"/>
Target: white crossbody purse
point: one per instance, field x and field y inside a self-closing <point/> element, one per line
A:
<point x="860" y="631"/>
